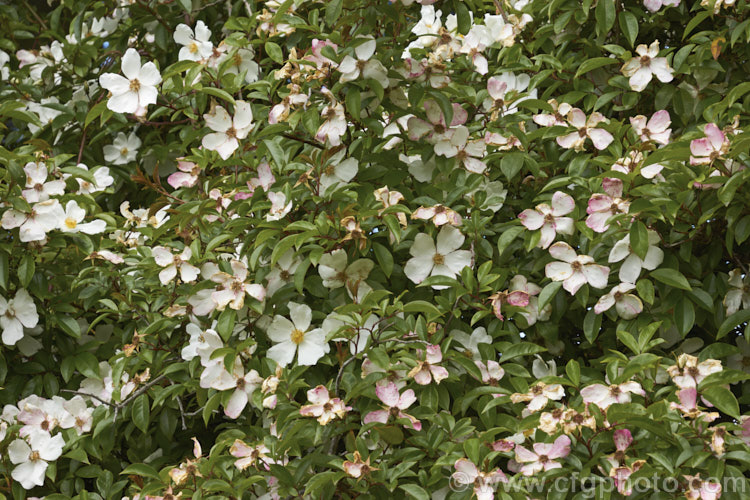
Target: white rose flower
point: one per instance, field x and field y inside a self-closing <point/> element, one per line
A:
<point x="295" y="336"/>
<point x="136" y="90"/>
<point x="443" y="259"/>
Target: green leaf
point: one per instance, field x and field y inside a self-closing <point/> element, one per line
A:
<point x="95" y="112"/>
<point x="274" y="52"/>
<point x="695" y="21"/>
<point x="605" y="16"/>
<point x="439" y="280"/>
<point x="141" y="412"/>
<point x="444" y="104"/>
<point x="26" y="269"/>
<point x="511" y="164"/>
<point x="548" y="292"/>
<point x="221" y="94"/>
<point x="592" y="64"/>
<point x="724" y="377"/>
<point x="520" y="349"/>
<point x="4" y="269"/>
<point x="592" y="323"/>
<point x="333" y="11"/>
<point x="629" y="341"/>
<point x="384" y="258"/>
<point x="671" y="277"/>
<point x="69" y="326"/>
<point x="463" y="17"/>
<point x="639" y="239"/>
<point x="629" y="26"/>
<point x="507" y="237"/>
<point x="421" y="307"/>
<point x="723" y="399"/>
<point x="415" y="491"/>
<point x="684" y="316"/>
<point x="353" y="102"/>
<point x="645" y="290"/>
<point x="143" y="470"/>
<point x="732" y="321"/>
<point x="573" y="370"/>
<point x="727" y="191"/>
<point x="225" y="325"/>
<point x="88" y="365"/>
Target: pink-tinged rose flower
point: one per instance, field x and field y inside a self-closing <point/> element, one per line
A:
<point x="428" y="369"/>
<point x="688" y="372"/>
<point x="538" y="396"/>
<point x="603" y="206"/>
<point x="483" y="482"/>
<point x="395" y="405"/>
<point x="358" y="468"/>
<point x="436" y="128"/>
<point x="532" y="314"/>
<point x="544" y="457"/>
<point x="439" y="214"/>
<point x="550" y="219"/>
<point x="517" y="298"/>
<point x="628" y="305"/>
<point x="707" y="149"/>
<point x="233" y="288"/>
<point x="655" y="129"/>
<point x="264" y="180"/>
<point x="557" y="117"/>
<point x="469" y="153"/>
<point x="688" y="406"/>
<point x="574" y="270"/>
<point x="621" y="475"/>
<point x="654" y="5"/>
<point x="645" y="65"/>
<point x="250" y="455"/>
<point x="604" y="396"/>
<point x="585" y="128"/>
<point x="492" y="372"/>
<point x="503" y="445"/>
<point x="701" y="490"/>
<point x="323" y="406"/>
<point x="631" y="162"/>
<point x="187" y="175"/>
<point x="631" y="263"/>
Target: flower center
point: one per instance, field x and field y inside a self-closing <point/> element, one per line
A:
<point x="135" y="85"/>
<point x="34" y="456"/>
<point x="576" y="266"/>
<point x="39" y="187"/>
<point x="231" y="133"/>
<point x="193" y="47"/>
<point x="124" y="152"/>
<point x="438" y="259"/>
<point x="298" y="336"/>
<point x="284" y="275"/>
<point x="645" y="60"/>
<point x="70" y="223"/>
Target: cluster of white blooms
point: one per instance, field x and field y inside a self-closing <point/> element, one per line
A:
<point x="40" y="439"/>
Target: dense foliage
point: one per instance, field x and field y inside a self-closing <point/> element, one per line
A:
<point x="370" y="248"/>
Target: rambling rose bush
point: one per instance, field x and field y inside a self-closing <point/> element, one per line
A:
<point x="371" y="249"/>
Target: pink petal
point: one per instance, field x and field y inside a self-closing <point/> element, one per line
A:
<point x="388" y="394"/>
